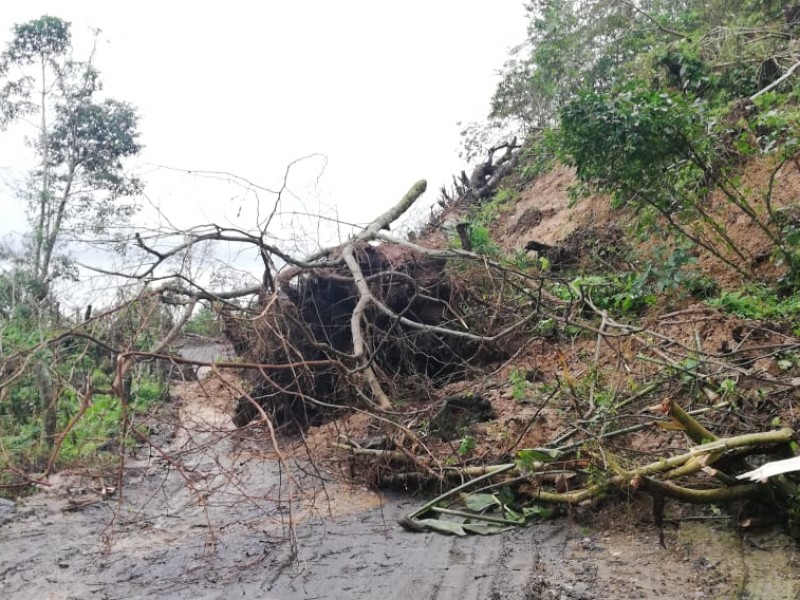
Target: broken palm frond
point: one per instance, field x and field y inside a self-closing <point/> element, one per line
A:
<point x="494" y="510"/>
<point x="412" y="523"/>
<point x="494" y="471"/>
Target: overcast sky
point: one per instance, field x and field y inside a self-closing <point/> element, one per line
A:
<point x="246" y="87"/>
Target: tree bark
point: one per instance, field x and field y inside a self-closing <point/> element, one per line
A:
<point x="49" y="402"/>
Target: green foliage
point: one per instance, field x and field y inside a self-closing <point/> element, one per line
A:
<point x="667" y="151"/>
<point x="44" y="41"/>
<point x="481" y="240"/>
<point x="719" y="50"/>
<point x="99" y="425"/>
<point x="688" y="66"/>
<point x="651" y="106"/>
<point x="684" y="67"/>
<point x="466" y="445"/>
<point x="24" y="442"/>
<point x="44" y="38"/>
<point x="776" y="123"/>
<point x="570" y="46"/>
<point x="96" y="137"/>
<point x="544" y="264"/>
<point x="760" y="303"/>
<point x="146" y="391"/>
<point x="669" y="271"/>
<point x="547" y="329"/>
<point x="522" y="260"/>
<point x="624" y="294"/>
<point x="538" y="156"/>
<point x="487" y="212"/>
<point x="482" y="215"/>
<point x="519" y="384"/>
<point x="727" y="387"/>
<point x="528" y="458"/>
<point x="629" y="143"/>
<point x="88" y="423"/>
<point x="204" y="323"/>
<point x="96" y="429"/>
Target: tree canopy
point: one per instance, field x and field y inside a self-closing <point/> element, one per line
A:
<point x="82" y="139"/>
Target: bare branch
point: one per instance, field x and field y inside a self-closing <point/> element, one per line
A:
<point x="653" y="20"/>
<point x="789" y="72"/>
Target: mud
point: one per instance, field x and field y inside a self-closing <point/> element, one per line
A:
<point x="208" y="513"/>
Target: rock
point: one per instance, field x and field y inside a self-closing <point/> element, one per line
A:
<point x="8" y="509"/>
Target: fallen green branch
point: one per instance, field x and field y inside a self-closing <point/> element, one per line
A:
<point x="720" y="495"/>
<point x="694" y="460"/>
<point x="692" y="426"/>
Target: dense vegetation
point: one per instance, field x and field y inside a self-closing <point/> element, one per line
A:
<point x="664" y="106"/>
<point x="56" y="394"/>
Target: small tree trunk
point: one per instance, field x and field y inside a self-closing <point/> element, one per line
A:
<point x="49" y="401"/>
<point x="44" y="197"/>
<point x="463" y="235"/>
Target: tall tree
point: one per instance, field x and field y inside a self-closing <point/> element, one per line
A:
<point x="79" y="184"/>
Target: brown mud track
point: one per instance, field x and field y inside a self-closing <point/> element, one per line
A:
<point x="210" y="519"/>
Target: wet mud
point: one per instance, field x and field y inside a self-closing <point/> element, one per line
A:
<point x="206" y="514"/>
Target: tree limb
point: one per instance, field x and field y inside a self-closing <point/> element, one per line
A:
<point x="778" y="81"/>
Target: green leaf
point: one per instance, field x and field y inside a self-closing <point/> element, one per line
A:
<point x="485" y="528"/>
<point x="441" y="526"/>
<point x="513" y="515"/>
<point x="793" y="237"/>
<point x="537" y="512"/>
<point x="528" y="456"/>
<point x="480" y="502"/>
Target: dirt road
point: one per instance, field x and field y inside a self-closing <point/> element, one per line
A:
<point x="205" y="515"/>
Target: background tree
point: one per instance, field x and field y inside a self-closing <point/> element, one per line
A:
<point x="78" y="187"/>
<point x="722" y="49"/>
<point x="80" y="184"/>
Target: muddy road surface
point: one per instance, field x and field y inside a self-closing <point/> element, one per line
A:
<point x="205" y="513"/>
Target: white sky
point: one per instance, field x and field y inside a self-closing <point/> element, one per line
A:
<point x="246" y="87"/>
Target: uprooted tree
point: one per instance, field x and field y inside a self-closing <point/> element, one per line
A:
<point x="369" y="322"/>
